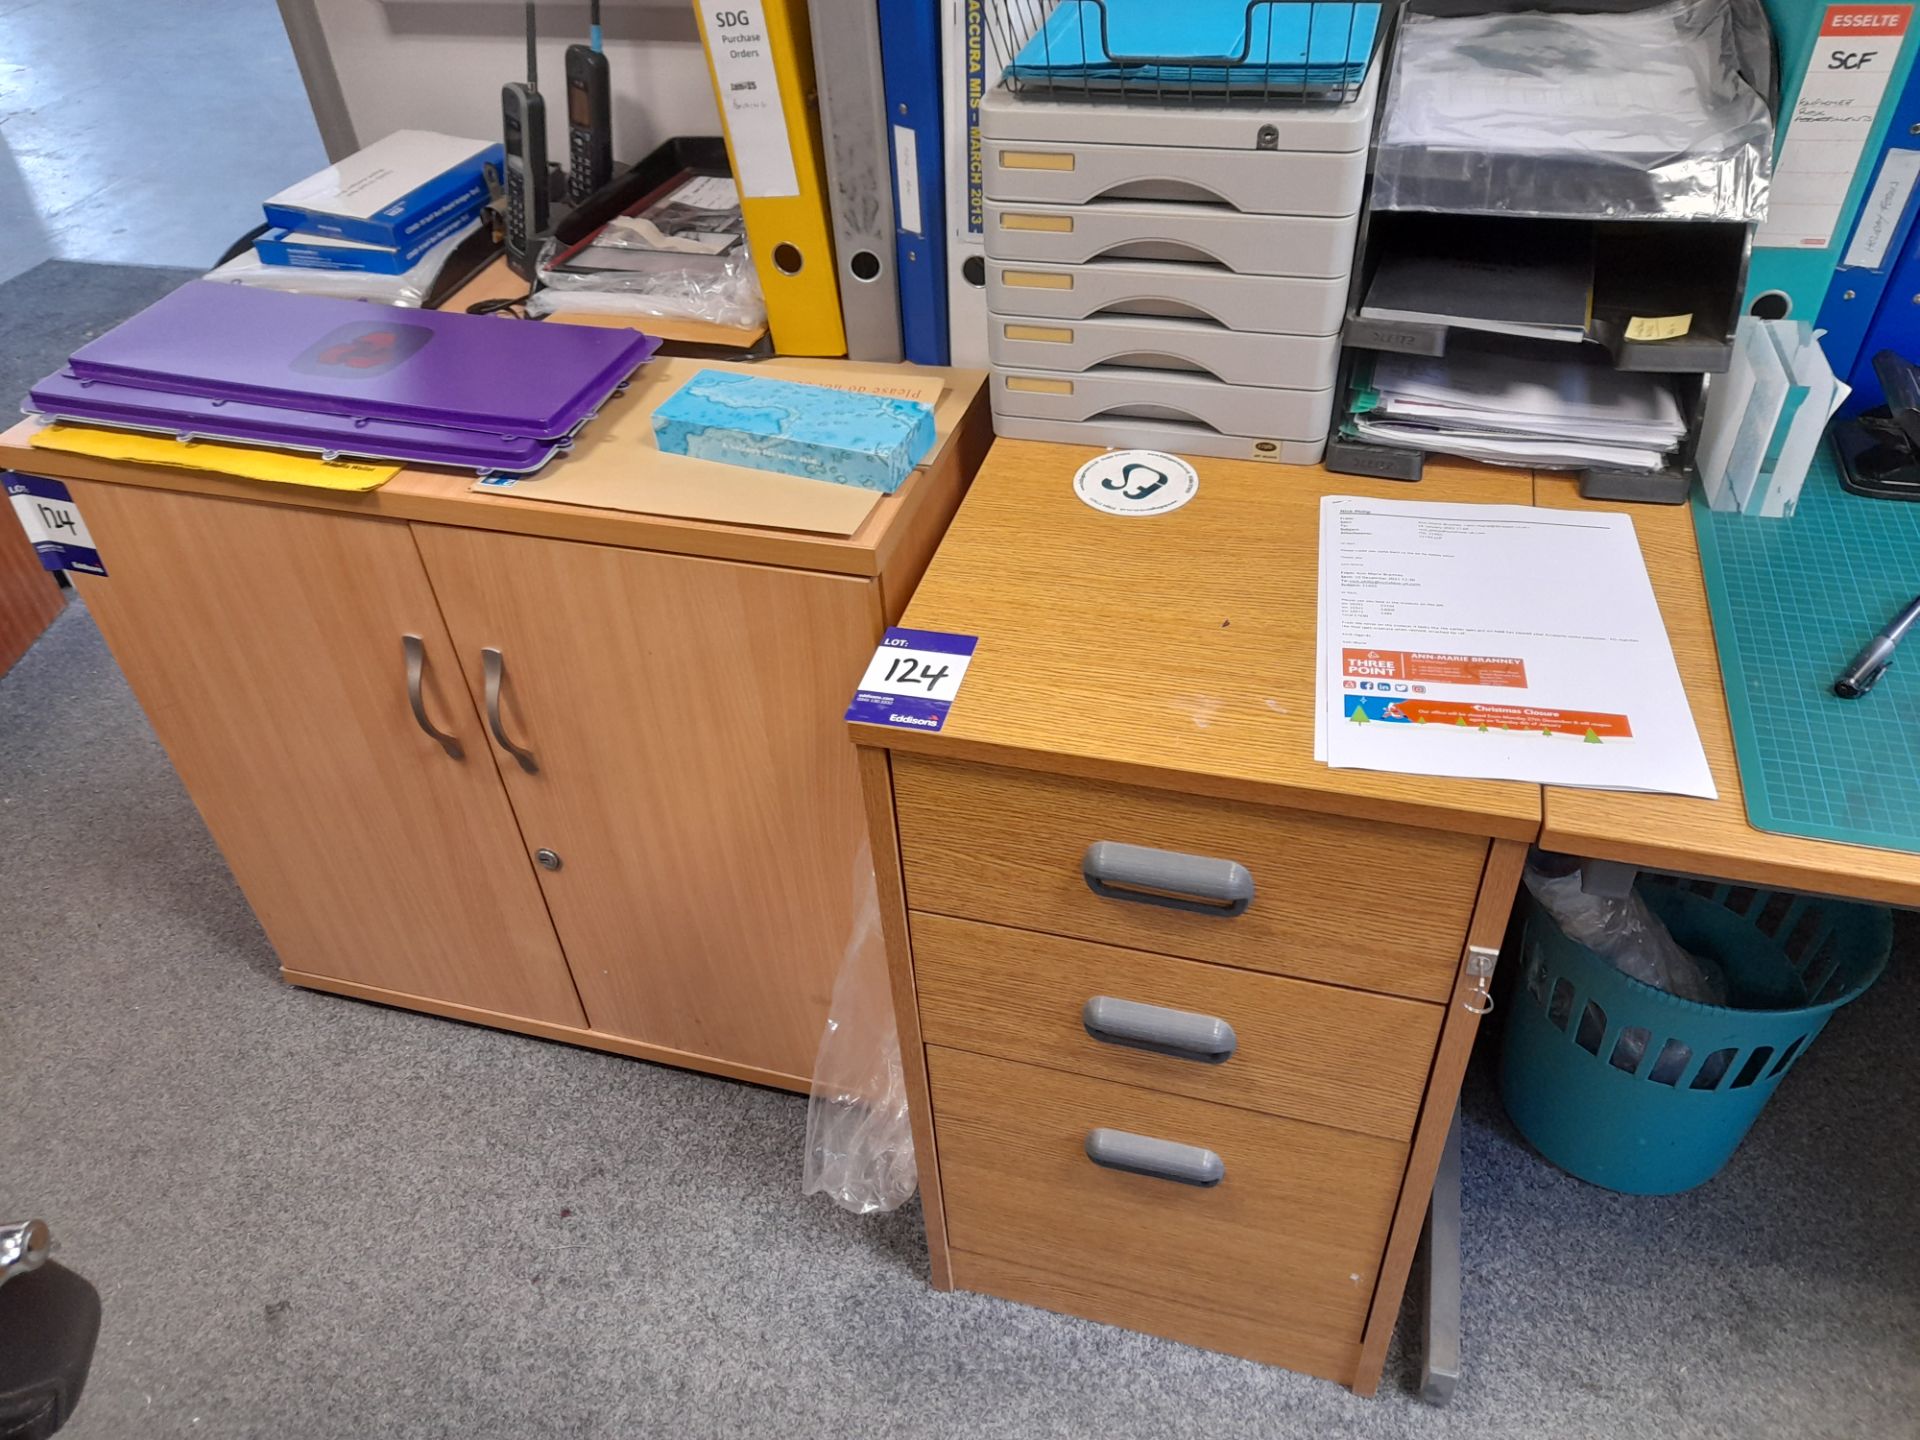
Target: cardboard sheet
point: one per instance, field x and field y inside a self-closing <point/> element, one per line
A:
<point x="615" y="464"/>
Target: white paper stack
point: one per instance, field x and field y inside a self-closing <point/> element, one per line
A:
<point x="1538" y="406"/>
<point x="1497" y="642"/>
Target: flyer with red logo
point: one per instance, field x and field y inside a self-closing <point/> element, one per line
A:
<point x="1497" y="642"/>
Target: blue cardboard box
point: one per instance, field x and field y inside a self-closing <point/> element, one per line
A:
<point x="326" y="252"/>
<point x="813" y="431"/>
<point x="391" y="192"/>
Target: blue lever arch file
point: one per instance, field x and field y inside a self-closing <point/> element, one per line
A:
<point x="910" y="62"/>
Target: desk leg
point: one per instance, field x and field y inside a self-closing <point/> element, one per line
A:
<point x="1440" y="1365"/>
<point x="1498" y="882"/>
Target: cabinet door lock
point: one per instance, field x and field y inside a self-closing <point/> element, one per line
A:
<point x="549" y="859"/>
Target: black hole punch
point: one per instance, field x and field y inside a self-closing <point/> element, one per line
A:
<point x="865" y="265"/>
<point x="973" y="270"/>
<point x="787" y="258"/>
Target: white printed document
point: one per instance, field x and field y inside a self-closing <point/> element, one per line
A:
<point x="1499" y="642"/>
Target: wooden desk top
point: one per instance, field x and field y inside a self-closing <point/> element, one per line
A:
<point x="909" y="520"/>
<point x="1174" y="651"/>
<point x="1703" y="837"/>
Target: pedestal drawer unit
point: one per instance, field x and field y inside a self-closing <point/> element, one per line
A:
<point x="1184" y="1014"/>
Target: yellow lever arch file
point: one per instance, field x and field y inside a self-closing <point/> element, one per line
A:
<point x="760" y="55"/>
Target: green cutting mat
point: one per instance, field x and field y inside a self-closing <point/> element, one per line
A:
<point x="1794" y="600"/>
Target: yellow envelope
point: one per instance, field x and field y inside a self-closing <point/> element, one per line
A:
<point x="248" y="462"/>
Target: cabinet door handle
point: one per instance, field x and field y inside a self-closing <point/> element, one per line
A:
<point x="1167" y="877"/>
<point x="416" y="653"/>
<point x="496" y="672"/>
<point x="1183" y="1034"/>
<point x="1160" y="1159"/>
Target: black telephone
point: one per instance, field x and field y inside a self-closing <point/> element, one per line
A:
<point x="589" y="117"/>
<point x="524" y="116"/>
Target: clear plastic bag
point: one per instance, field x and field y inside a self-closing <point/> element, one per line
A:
<point x="1656" y="111"/>
<point x="408" y="288"/>
<point x="720" y="289"/>
<point x="859" y="1136"/>
<point x="1622" y="931"/>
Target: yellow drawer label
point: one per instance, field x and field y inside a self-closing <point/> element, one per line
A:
<point x="1037" y="385"/>
<point x="1035" y="160"/>
<point x="1052" y="334"/>
<point x="1036" y="280"/>
<point x="1052" y="224"/>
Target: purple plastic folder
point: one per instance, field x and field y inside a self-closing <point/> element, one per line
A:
<point x="99" y="402"/>
<point x="346" y="357"/>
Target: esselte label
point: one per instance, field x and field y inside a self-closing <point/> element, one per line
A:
<point x="1839" y="103"/>
<point x="912" y="679"/>
<point x="53" y="523"/>
<point x="1136" y="482"/>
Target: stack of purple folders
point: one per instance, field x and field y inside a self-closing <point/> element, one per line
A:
<point x="341" y="377"/>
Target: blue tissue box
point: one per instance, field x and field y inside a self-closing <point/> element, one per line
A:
<point x="814" y="431"/>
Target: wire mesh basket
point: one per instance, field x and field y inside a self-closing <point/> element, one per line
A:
<point x="1199" y="52"/>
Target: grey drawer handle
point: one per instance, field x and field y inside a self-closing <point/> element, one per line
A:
<point x="416" y="653"/>
<point x="494" y="669"/>
<point x="1167" y="877"/>
<point x="1161" y="1159"/>
<point x="1182" y="1034"/>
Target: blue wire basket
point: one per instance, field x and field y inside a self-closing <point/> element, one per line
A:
<point x="1185" y="51"/>
<point x="1640" y="1091"/>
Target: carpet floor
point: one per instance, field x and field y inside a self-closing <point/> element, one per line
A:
<point x="309" y="1216"/>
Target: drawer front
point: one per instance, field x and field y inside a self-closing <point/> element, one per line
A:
<point x="1291" y="1233"/>
<point x="1228" y="409"/>
<point x="1321" y="1053"/>
<point x="1268" y="304"/>
<point x="1259" y="182"/>
<point x="1376" y="907"/>
<point x="1239" y="357"/>
<point x="1265" y="1340"/>
<point x="1189" y="234"/>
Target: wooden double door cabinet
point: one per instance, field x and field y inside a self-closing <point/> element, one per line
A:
<point x="590" y="791"/>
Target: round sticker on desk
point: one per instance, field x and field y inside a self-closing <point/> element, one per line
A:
<point x="1136" y="482"/>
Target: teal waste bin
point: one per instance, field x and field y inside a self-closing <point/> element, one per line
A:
<point x="1637" y="1090"/>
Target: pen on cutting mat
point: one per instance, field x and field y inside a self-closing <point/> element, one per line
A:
<point x="1872" y="661"/>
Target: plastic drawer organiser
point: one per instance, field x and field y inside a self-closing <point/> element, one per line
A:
<point x="1168" y="257"/>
